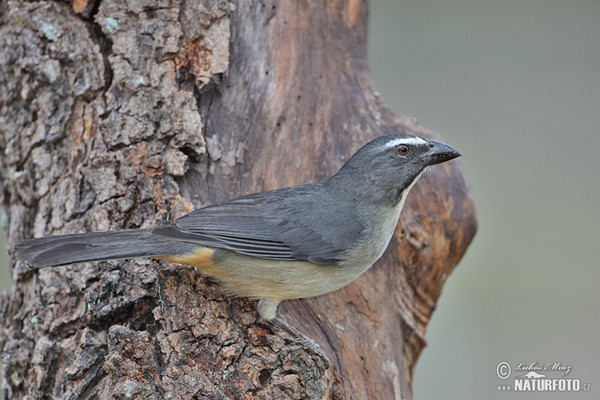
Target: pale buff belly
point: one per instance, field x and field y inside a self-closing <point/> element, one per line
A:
<point x="269" y="279"/>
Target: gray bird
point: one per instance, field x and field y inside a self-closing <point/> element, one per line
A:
<point x="290" y="243"/>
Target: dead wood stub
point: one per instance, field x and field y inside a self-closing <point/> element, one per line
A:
<point x="122" y="115"/>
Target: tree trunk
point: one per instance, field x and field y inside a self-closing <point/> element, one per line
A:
<point x="119" y="115"/>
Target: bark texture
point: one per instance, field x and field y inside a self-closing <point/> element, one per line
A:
<point x="118" y="115"/>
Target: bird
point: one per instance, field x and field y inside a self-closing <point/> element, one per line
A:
<point x="289" y="243"/>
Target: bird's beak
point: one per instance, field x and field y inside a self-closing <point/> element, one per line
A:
<point x="440" y="152"/>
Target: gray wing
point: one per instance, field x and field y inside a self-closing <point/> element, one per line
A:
<point x="297" y="223"/>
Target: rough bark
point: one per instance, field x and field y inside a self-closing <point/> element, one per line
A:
<point x="123" y="114"/>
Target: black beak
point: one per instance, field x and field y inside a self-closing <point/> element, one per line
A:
<point x="440" y="152"/>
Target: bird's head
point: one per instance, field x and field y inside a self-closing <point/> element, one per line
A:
<point x="388" y="165"/>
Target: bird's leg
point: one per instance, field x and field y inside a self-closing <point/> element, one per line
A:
<point x="303" y="340"/>
<point x="267" y="309"/>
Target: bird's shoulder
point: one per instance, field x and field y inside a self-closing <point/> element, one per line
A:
<point x="306" y="222"/>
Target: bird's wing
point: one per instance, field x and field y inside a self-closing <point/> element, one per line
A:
<point x="286" y="224"/>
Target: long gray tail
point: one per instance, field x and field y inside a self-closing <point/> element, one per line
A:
<point x="53" y="251"/>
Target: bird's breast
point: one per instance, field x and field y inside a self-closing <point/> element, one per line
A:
<point x="379" y="228"/>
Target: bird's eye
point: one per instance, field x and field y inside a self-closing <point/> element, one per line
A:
<point x="402" y="149"/>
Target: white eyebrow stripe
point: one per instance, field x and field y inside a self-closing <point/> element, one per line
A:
<point x="409" y="141"/>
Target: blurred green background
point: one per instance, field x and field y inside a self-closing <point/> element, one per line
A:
<point x="515" y="86"/>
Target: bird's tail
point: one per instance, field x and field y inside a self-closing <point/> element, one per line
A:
<point x="53" y="251"/>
